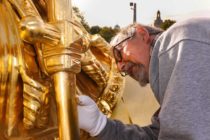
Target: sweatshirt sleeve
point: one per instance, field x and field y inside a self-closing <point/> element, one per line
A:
<point x="116" y="130"/>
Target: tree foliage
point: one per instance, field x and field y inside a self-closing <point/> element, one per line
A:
<point x="167" y="23"/>
<point x="81" y="17"/>
<point x="95" y="30"/>
<point x="106" y="32"/>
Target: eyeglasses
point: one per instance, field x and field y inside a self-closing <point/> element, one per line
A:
<point x="117" y="52"/>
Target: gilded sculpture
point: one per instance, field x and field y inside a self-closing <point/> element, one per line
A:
<point x="46" y="58"/>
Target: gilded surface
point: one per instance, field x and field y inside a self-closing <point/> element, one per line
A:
<point x="46" y="57"/>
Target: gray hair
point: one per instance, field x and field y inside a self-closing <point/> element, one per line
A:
<point x="130" y="30"/>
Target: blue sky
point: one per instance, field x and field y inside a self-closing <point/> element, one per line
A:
<point x="112" y="12"/>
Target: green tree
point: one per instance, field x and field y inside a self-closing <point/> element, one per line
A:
<point x="167" y="23"/>
<point x="81" y="17"/>
<point x="107" y="33"/>
<point x="95" y="30"/>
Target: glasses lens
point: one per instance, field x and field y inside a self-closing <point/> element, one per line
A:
<point x="117" y="55"/>
<point x="117" y="52"/>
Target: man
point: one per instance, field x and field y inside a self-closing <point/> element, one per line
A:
<point x="177" y="66"/>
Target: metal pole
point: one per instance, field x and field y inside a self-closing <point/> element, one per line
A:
<point x="133" y="7"/>
<point x="134" y="13"/>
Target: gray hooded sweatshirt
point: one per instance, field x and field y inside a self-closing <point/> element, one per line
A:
<point x="180" y="80"/>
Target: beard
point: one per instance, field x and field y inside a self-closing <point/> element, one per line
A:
<point x="138" y="72"/>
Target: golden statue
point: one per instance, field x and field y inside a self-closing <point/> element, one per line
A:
<point x="46" y="58"/>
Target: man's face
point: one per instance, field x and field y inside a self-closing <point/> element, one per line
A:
<point x="132" y="59"/>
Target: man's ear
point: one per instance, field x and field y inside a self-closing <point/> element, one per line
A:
<point x="143" y="33"/>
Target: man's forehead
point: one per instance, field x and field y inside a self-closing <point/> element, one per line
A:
<point x="123" y="35"/>
<point x="117" y="39"/>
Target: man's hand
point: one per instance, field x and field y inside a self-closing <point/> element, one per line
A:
<point x="90" y="117"/>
